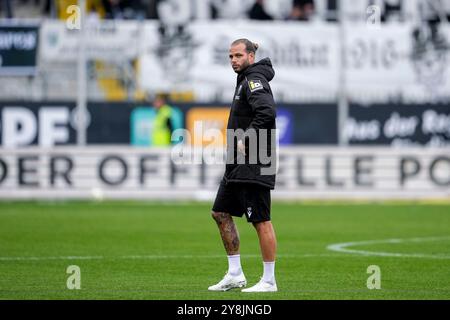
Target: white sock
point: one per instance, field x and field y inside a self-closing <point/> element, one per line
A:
<point x="234" y="264"/>
<point x="269" y="271"/>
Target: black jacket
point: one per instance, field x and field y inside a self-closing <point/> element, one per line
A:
<point x="253" y="108"/>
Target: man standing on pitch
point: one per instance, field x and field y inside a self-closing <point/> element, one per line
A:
<point x="247" y="182"/>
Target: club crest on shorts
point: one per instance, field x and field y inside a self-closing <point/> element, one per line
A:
<point x="249" y="211"/>
<point x="255" y="85"/>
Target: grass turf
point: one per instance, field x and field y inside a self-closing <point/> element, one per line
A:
<point x="136" y="250"/>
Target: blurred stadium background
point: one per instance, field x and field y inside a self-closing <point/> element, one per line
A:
<point x="363" y="96"/>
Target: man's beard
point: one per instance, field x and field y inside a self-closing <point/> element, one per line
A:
<point x="244" y="66"/>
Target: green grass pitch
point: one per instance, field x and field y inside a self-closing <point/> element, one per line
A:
<point x="140" y="250"/>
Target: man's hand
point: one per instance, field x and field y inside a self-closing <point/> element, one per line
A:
<point x="241" y="147"/>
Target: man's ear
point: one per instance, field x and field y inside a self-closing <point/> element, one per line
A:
<point x="252" y="55"/>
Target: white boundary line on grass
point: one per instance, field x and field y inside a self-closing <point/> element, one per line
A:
<point x="343" y="248"/>
<point x="336" y="247"/>
<point x="151" y="257"/>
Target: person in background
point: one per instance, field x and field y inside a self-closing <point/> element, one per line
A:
<point x="258" y="12"/>
<point x="125" y="9"/>
<point x="302" y="10"/>
<point x="6" y="7"/>
<point x="162" y="125"/>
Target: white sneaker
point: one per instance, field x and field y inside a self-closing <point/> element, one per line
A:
<point x="229" y="282"/>
<point x="262" y="286"/>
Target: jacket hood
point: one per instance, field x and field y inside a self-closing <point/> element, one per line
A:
<point x="263" y="67"/>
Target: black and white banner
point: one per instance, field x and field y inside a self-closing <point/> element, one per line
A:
<point x="134" y="173"/>
<point x="399" y="125"/>
<point x="43" y="124"/>
<point x="18" y="49"/>
<point x="50" y="124"/>
<point x="54" y="123"/>
<point x="106" y="40"/>
<point x="382" y="63"/>
<point x="397" y="61"/>
<point x="194" y="58"/>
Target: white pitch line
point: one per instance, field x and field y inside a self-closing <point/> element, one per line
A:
<point x="343" y="247"/>
<point x="337" y="247"/>
<point x="155" y="257"/>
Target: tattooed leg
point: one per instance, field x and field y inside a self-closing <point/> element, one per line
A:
<point x="228" y="232"/>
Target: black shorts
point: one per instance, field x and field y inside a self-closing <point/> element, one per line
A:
<point x="239" y="198"/>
